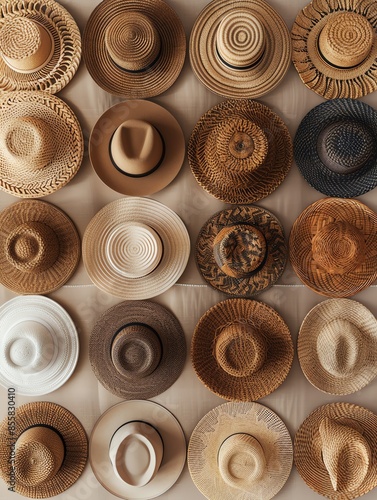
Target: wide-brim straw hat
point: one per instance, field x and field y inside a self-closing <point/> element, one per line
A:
<point x="137" y="349"/>
<point x="240" y="49"/>
<point x="240" y="151"/>
<point x="39" y="247"/>
<point x="135" y="248"/>
<point x="134" y="49"/>
<point x="41" y="141"/>
<point x="334" y="450"/>
<point x="335" y="148"/>
<point x="51" y="449"/>
<point x="334" y="48"/>
<point x="249" y="432"/>
<point x="241" y="250"/>
<point x="242" y="349"/>
<point x="172" y="436"/>
<point x="137" y="147"/>
<point x="333" y="247"/>
<point x="40" y="46"/>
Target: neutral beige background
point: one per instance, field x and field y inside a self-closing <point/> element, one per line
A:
<point x="188" y="399"/>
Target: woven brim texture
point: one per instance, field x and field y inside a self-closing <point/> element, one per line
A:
<point x="254" y="82"/>
<point x="71" y="432"/>
<point x="315" y="172"/>
<point x="311" y="223"/>
<point x="308" y="446"/>
<point x="211" y="166"/>
<point x="59" y="71"/>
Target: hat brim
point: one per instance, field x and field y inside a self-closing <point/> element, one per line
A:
<point x="167" y="126"/>
<point x="172" y="435"/>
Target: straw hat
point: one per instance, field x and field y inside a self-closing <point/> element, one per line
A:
<point x="240" y="151"/>
<point x="51" y="449"/>
<point x="241" y="349"/>
<point x="240" y="450"/>
<point x="137" y="147"/>
<point x="335" y="148"/>
<point x="135" y="248"/>
<point x="40" y="45"/>
<point x="126" y="446"/>
<point x="41" y="144"/>
<point x="39" y="247"/>
<point x="134" y="49"/>
<point x="241" y="250"/>
<point x="240" y="49"/>
<point x="334" y="47"/>
<point x="334" y="450"/>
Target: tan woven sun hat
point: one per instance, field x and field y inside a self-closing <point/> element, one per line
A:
<point x="335" y="47"/>
<point x="240" y="151"/>
<point x="241" y="349"/>
<point x="240" y="450"/>
<point x="134" y="49"/>
<point x="335" y="448"/>
<point x="50" y="450"/>
<point x="39" y="247"/>
<point x="137" y="147"/>
<point x="40" y="45"/>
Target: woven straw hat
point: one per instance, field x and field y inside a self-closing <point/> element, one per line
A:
<point x="240" y="151"/>
<point x="241" y="250"/>
<point x="240" y="450"/>
<point x="51" y="449"/>
<point x="41" y="144"/>
<point x="334" y="450"/>
<point x="241" y="349"/>
<point x="137" y="349"/>
<point x="333" y="247"/>
<point x="135" y="248"/>
<point x="137" y="147"/>
<point x="39" y="247"/>
<point x="134" y="49"/>
<point x="335" y="148"/>
<point x="240" y="49"/>
<point x="40" y="45"/>
<point x="126" y="445"/>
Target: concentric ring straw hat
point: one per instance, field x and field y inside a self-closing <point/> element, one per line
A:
<point x="135" y="248"/>
<point x="51" y="449"/>
<point x="240" y="450"/>
<point x="40" y="45"/>
<point x="240" y="151"/>
<point x="241" y="349"/>
<point x="334" y="47"/>
<point x="335" y="450"/>
<point x="39" y="247"/>
<point x="240" y="49"/>
<point x="134" y="49"/>
<point x="333" y="247"/>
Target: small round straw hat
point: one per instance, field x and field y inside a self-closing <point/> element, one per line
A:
<point x="41" y="144"/>
<point x="126" y="445"/>
<point x="51" y="449"/>
<point x="134" y="49"/>
<point x="334" y="47"/>
<point x="240" y="49"/>
<point x="241" y="349"/>
<point x="40" y="45"/>
<point x="335" y="448"/>
<point x="240" y="450"/>
<point x="241" y="250"/>
<point x="39" y="247"/>
<point x="333" y="247"/>
<point x="137" y="147"/>
<point x="137" y="349"/>
<point x="335" y="148"/>
<point x="240" y="151"/>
